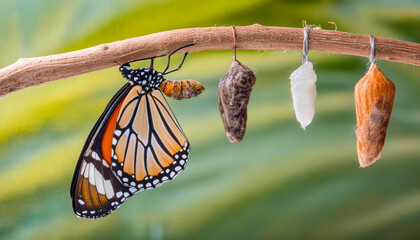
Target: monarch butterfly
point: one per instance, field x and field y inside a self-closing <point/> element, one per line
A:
<point x="136" y="144"/>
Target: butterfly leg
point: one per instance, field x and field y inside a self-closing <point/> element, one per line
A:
<point x="169" y="60"/>
<point x="179" y="67"/>
<point x="151" y="62"/>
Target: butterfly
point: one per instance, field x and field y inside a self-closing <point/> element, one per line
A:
<point x="136" y="144"/>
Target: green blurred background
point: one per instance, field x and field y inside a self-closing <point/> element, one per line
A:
<point x="280" y="182"/>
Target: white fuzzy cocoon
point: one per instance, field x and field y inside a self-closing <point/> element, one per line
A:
<point x="303" y="90"/>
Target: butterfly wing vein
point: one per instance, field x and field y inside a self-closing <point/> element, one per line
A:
<point x="149" y="146"/>
<point x="148" y="149"/>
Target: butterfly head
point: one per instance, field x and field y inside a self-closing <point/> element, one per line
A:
<point x="148" y="78"/>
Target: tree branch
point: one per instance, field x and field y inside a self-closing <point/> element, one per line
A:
<point x="28" y="72"/>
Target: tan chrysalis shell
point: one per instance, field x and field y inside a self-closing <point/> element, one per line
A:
<point x="374" y="97"/>
<point x="234" y="91"/>
<point x="181" y="89"/>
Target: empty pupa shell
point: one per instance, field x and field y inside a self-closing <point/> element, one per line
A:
<point x="181" y="89"/>
<point x="374" y="97"/>
<point x="303" y="89"/>
<point x="234" y="91"/>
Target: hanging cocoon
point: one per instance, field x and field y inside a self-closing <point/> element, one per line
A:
<point x="374" y="97"/>
<point x="303" y="88"/>
<point x="234" y="91"/>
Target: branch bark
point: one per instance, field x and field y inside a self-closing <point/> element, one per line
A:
<point x="28" y="72"/>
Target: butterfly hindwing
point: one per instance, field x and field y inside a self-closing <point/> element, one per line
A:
<point x="95" y="189"/>
<point x="149" y="147"/>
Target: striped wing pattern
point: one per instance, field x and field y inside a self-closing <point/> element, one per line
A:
<point x="149" y="147"/>
<point x="94" y="188"/>
<point x="97" y="188"/>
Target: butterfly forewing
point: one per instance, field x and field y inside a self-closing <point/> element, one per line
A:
<point x="149" y="146"/>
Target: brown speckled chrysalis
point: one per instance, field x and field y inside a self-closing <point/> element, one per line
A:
<point x="234" y="91"/>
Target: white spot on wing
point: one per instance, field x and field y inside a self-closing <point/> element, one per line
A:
<point x="99" y="182"/>
<point x="95" y="156"/>
<point x="83" y="168"/>
<point x="91" y="174"/>
<point x="105" y="163"/>
<point x="109" y="190"/>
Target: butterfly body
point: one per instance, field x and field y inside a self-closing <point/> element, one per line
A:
<point x="148" y="78"/>
<point x="136" y="144"/>
<point x="181" y="89"/>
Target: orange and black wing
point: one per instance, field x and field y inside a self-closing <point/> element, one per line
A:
<point x="148" y="146"/>
<point x="95" y="189"/>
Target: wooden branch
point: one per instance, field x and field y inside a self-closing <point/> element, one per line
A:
<point x="28" y="72"/>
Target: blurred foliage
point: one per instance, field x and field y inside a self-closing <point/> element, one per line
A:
<point x="280" y="182"/>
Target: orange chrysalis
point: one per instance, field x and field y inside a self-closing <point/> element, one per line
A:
<point x="374" y="97"/>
